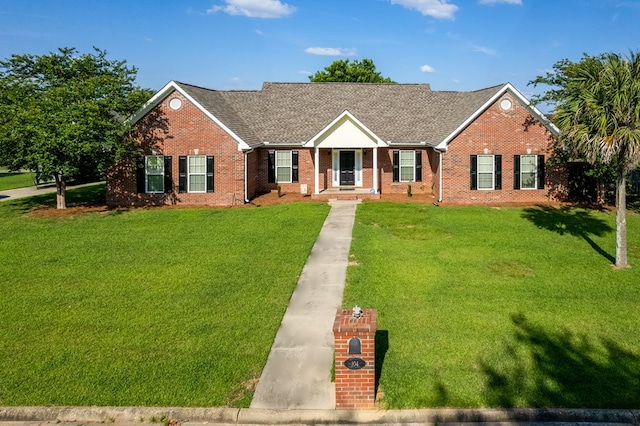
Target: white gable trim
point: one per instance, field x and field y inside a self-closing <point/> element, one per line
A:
<point x="346" y="114"/>
<point x="519" y="96"/>
<point x="166" y="91"/>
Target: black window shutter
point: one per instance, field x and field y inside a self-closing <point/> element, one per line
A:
<point x="140" y="181"/>
<point x="396" y="166"/>
<point x="271" y="178"/>
<point x="168" y="179"/>
<point x="540" y="171"/>
<point x="474" y="172"/>
<point x="294" y="166"/>
<point x="182" y="173"/>
<point x="418" y="172"/>
<point x="497" y="169"/>
<point x="209" y="173"/>
<point x="516" y="172"/>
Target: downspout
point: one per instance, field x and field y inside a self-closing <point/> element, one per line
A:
<point x="246" y="175"/>
<point x="440" y="152"/>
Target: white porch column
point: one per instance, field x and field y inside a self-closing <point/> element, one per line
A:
<point x="375" y="170"/>
<point x="317" y="171"/>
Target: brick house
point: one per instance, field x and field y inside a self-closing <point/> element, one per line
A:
<point x="223" y="148"/>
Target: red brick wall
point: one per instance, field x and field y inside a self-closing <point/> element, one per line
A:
<point x="355" y="388"/>
<point x="385" y="167"/>
<point x="175" y="133"/>
<point x="507" y="133"/>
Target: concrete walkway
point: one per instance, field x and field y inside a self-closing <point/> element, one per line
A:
<point x="297" y="373"/>
<point x="30" y="191"/>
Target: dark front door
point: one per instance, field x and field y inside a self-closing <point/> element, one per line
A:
<point x="347" y="166"/>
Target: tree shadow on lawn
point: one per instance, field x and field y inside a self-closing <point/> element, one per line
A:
<point x="545" y="368"/>
<point x="572" y="221"/>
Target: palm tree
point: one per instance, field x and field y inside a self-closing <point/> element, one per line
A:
<point x="598" y="113"/>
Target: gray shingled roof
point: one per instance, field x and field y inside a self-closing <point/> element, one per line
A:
<point x="296" y="112"/>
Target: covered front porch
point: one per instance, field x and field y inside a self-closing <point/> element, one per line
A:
<point x="346" y="154"/>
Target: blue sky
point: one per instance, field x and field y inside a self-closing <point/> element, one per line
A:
<point x="238" y="44"/>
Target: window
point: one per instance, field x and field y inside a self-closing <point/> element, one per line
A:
<point x="407" y="166"/>
<point x="154" y="174"/>
<point x="486" y="172"/>
<point x="195" y="173"/>
<point x="283" y="166"/>
<point x="528" y="172"/>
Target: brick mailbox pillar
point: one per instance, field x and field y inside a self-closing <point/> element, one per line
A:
<point x="354" y="332"/>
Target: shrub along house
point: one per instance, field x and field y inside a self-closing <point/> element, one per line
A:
<point x="328" y="140"/>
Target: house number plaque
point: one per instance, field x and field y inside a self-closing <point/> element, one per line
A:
<point x="355" y="363"/>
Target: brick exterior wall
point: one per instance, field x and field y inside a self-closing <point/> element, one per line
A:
<point x="180" y="132"/>
<point x="177" y="133"/>
<point x="355" y="388"/>
<point x="507" y="133"/>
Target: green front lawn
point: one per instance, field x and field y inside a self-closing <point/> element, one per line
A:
<point x="499" y="307"/>
<point x="11" y="180"/>
<point x="166" y="307"/>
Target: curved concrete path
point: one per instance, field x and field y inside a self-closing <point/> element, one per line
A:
<point x="298" y="371"/>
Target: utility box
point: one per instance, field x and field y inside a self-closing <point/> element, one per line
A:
<point x="354" y="332"/>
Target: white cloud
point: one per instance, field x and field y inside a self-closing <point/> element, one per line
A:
<point x="254" y="8"/>
<point x="455" y="81"/>
<point x="427" y="68"/>
<point x="519" y="2"/>
<point x="440" y="9"/>
<point x="484" y="50"/>
<point x="258" y="32"/>
<point x="331" y="51"/>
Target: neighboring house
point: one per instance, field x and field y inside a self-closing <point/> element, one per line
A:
<point x="214" y="147"/>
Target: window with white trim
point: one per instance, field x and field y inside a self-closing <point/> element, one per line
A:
<point x="528" y="171"/>
<point x="197" y="176"/>
<point x="283" y="166"/>
<point x="485" y="172"/>
<point x="407" y="166"/>
<point x="154" y="174"/>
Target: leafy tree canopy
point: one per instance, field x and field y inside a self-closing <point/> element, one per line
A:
<point x="61" y="114"/>
<point x="344" y="71"/>
<point x="597" y="109"/>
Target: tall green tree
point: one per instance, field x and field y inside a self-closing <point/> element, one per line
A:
<point x="61" y="114"/>
<point x="597" y="109"/>
<point x="344" y="71"/>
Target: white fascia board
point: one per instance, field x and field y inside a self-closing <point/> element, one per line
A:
<point x="165" y="91"/>
<point x="519" y="96"/>
<point x="312" y="142"/>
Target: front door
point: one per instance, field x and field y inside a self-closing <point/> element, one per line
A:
<point x="347" y="167"/>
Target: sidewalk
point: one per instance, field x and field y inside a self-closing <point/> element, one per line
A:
<point x="298" y="371"/>
<point x="30" y="191"/>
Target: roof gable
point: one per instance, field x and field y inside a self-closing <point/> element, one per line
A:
<point x="178" y="87"/>
<point x="345" y="131"/>
<point x="442" y="146"/>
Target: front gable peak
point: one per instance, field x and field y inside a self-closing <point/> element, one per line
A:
<point x="345" y="131"/>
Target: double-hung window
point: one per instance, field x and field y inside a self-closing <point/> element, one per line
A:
<point x="528" y="172"/>
<point x="407" y="166"/>
<point x="154" y="174"/>
<point x="197" y="177"/>
<point x="486" y="172"/>
<point x="283" y="166"/>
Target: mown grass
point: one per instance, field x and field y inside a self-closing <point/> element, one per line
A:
<point x="11" y="180"/>
<point x="159" y="307"/>
<point x="499" y="307"/>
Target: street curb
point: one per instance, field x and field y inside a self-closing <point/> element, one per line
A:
<point x="175" y="415"/>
